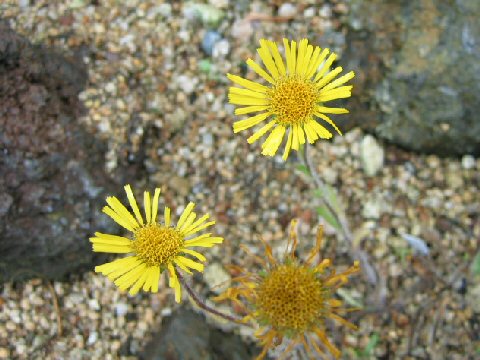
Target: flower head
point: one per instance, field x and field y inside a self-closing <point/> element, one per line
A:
<point x="154" y="247"/>
<point x="293" y="100"/>
<point x="291" y="299"/>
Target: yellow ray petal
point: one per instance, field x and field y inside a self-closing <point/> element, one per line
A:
<point x="295" y="142"/>
<point x="189" y="221"/>
<point x="250" y="109"/>
<point x="311" y="64"/>
<point x="148" y="279"/>
<point x="125" y="263"/>
<point x="114" y="249"/>
<point x="288" y="57"/>
<point x="311" y="134"/>
<point x="183" y="267"/>
<point x="342" y="321"/>
<point x="203" y="241"/>
<point x="329" y="110"/>
<point x="293" y="56"/>
<point x="338" y="93"/>
<point x="121" y="210"/>
<point x="129" y="278"/>
<point x="166" y="215"/>
<point x="174" y="283"/>
<point x="186" y="212"/>
<point x="188" y="263"/>
<point x="301" y="135"/>
<point x="246" y="92"/>
<point x="117" y="218"/>
<point x="155" y="205"/>
<point x="155" y="278"/>
<point x="249" y="122"/>
<point x="267" y="60"/>
<point x="199" y="228"/>
<point x="247" y="100"/>
<point x="318" y="61"/>
<point x="109" y="239"/>
<point x="138" y="284"/>
<point x="276" y="55"/>
<point x="270" y="146"/>
<point x="129" y="266"/>
<point x="133" y="203"/>
<point x="302" y="48"/>
<point x="323" y="338"/>
<point x="320" y="130"/>
<point x="255" y="67"/>
<point x="340" y="81"/>
<point x="307" y="60"/>
<point x="200" y="221"/>
<point x="248" y="83"/>
<point x="194" y="253"/>
<point x="329" y="77"/>
<point x="327" y="119"/>
<point x="325" y="66"/>
<point x="262" y="131"/>
<point x="288" y="144"/>
<point x="147" y="206"/>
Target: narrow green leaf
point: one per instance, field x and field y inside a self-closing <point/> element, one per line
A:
<point x="348" y="298"/>
<point x="372" y="343"/>
<point x="330" y="194"/>
<point x="476" y="264"/>
<point x="318" y="193"/>
<point x="303" y="169"/>
<point x="328" y="216"/>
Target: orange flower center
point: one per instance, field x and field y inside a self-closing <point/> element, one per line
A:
<point x="291" y="299"/>
<point x="156" y="244"/>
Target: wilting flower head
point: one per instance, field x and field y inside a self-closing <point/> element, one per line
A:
<point x="291" y="299"/>
<point x="154" y="247"/>
<point x="293" y="99"/>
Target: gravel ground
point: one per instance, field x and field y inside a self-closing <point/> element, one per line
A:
<point x="159" y="101"/>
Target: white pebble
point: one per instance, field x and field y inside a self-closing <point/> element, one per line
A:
<point x="217" y="278"/>
<point x="371" y="155"/>
<point x="468" y="162"/>
<point x="92" y="338"/>
<point x="121" y="309"/>
<point x="287" y="10"/>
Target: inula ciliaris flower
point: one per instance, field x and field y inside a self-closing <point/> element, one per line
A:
<point x="291" y="299"/>
<point x="294" y="99"/>
<point x="154" y="247"/>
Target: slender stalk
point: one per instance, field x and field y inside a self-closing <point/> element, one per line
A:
<point x="357" y="254"/>
<point x="204" y="306"/>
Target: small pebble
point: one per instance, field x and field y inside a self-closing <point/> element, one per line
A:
<point x="287" y="10"/>
<point x="468" y="162"/>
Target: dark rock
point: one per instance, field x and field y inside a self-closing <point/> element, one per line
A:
<point x="186" y="336"/>
<point x="52" y="184"/>
<point x="418" y="72"/>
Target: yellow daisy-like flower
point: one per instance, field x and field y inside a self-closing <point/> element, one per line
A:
<point x="291" y="299"/>
<point x="294" y="99"/>
<point x="155" y="247"/>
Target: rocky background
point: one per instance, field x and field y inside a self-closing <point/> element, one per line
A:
<point x="95" y="94"/>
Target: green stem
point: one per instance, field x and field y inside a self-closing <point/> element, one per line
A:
<point x="355" y="252"/>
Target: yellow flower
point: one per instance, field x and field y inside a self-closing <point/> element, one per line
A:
<point x="294" y="99"/>
<point x="154" y="247"/>
<point x="291" y="299"/>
